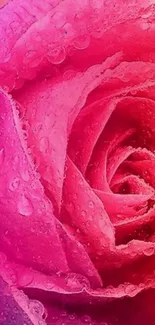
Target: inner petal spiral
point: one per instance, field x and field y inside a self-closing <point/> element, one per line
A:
<point x="112" y="145"/>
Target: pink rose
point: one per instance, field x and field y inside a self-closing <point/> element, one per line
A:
<point x="77" y="158"/>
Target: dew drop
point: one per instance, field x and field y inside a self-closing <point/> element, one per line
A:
<point x="44" y="144"/>
<point x="57" y="55"/>
<point x="86" y="319"/>
<point x="91" y="204"/>
<point x="80" y="181"/>
<point x="83" y="213"/>
<point x="64" y="314"/>
<point x="72" y="282"/>
<point x="25" y="206"/>
<point x="25" y="175"/>
<point x="146" y="15"/>
<point x="95" y="28"/>
<point x="14" y="184"/>
<point x="69" y="74"/>
<point x="133" y="91"/>
<point x="97" y="4"/>
<point x="59" y="19"/>
<point x="72" y="316"/>
<point x="82" y="42"/>
<point x="36" y="307"/>
<point x="26" y="279"/>
<point x="149" y="250"/>
<point x="145" y="26"/>
<point x="13" y="278"/>
<point x="68" y="30"/>
<point x="71" y="207"/>
<point x="41" y="322"/>
<point x="32" y="58"/>
<point x="131" y="290"/>
<point x="1" y="156"/>
<point x="3" y="258"/>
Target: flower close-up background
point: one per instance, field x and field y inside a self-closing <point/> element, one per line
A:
<point x="77" y="162"/>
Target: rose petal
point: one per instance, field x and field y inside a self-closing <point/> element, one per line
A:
<point x="135" y="78"/>
<point x="138" y="310"/>
<point x="23" y="200"/>
<point x="28" y="225"/>
<point x="99" y="160"/>
<point x="15" y="307"/>
<point x="86" y="211"/>
<point x="137" y="227"/>
<point x="124" y="262"/>
<point x="144" y="168"/>
<point x="57" y="103"/>
<point x="124" y="207"/>
<point x="10" y="309"/>
<point x="34" y="35"/>
<point x="65" y="316"/>
<point x="86" y="130"/>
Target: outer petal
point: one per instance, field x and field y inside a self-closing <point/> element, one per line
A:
<point x="28" y="225"/>
<point x="50" y="107"/>
<point x="10" y="309"/>
<point x="78" y="308"/>
<point x="139" y="310"/>
<point x="15" y="307"/>
<point x="86" y="211"/>
<point x="36" y="33"/>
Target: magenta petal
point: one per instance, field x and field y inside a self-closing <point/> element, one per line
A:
<point x="124" y="207"/>
<point x="62" y="315"/>
<point x="135" y="311"/>
<point x="10" y="311"/>
<point x="15" y="307"/>
<point x="50" y="108"/>
<point x="86" y="211"/>
<point x="28" y="225"/>
<point x="28" y="221"/>
<point x="86" y="130"/>
<point x="37" y="34"/>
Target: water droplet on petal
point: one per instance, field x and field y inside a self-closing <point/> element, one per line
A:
<point x="69" y="74"/>
<point x="36" y="307"/>
<point x="131" y="290"/>
<point x="25" y="206"/>
<point x="72" y="316"/>
<point x="3" y="258"/>
<point x="86" y="319"/>
<point x="26" y="280"/>
<point x="44" y="144"/>
<point x="13" y="278"/>
<point x="41" y="322"/>
<point x="59" y="19"/>
<point x="146" y="15"/>
<point x="91" y="204"/>
<point x="97" y="4"/>
<point x="64" y="314"/>
<point x="32" y="58"/>
<point x="83" y="213"/>
<point x="145" y="25"/>
<point x="1" y="156"/>
<point x="14" y="184"/>
<point x="148" y="251"/>
<point x="82" y="42"/>
<point x="25" y="175"/>
<point x="95" y="28"/>
<point x="57" y="55"/>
